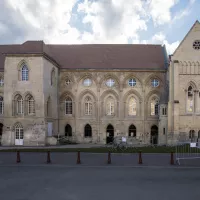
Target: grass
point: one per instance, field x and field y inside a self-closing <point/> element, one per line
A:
<point x="148" y="149"/>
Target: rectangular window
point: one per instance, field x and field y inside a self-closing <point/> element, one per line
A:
<point x="31" y="107"/>
<point x="68" y="107"/>
<point x="163" y="131"/>
<point x="20" y="107"/>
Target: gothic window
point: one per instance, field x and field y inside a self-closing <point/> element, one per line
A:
<point x="132" y="106"/>
<point x="88" y="131"/>
<point x="19" y="105"/>
<point x="154" y="106"/>
<point x="88" y="106"/>
<point x="31" y="105"/>
<point x="1" y="105"/>
<point x="110" y="106"/>
<point x="24" y="73"/>
<point x="53" y="77"/>
<point x="190" y="99"/>
<point x="68" y="105"/>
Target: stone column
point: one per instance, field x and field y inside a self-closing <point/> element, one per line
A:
<point x="176" y="97"/>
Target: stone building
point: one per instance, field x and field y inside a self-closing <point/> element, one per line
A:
<point x="92" y="93"/>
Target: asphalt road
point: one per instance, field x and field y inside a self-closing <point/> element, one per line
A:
<point x="50" y="182"/>
<point x="91" y="159"/>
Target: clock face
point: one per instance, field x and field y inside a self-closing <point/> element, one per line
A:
<point x="196" y="44"/>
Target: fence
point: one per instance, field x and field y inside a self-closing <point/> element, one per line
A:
<point x="187" y="148"/>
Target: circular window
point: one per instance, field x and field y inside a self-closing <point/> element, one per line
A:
<point x="87" y="82"/>
<point x="155" y="83"/>
<point x="110" y="82"/>
<point x="132" y="82"/>
<point x="67" y="82"/>
<point x="196" y="44"/>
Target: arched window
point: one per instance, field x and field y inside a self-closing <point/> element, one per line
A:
<point x="68" y="131"/>
<point x="132" y="130"/>
<point x="132" y="106"/>
<point x="190" y="99"/>
<point x="19" y="105"/>
<point x="53" y="76"/>
<point x="88" y="106"/>
<point x="1" y="105"/>
<point x="68" y="106"/>
<point x="110" y="106"/>
<point x="88" y="131"/>
<point x="154" y="106"/>
<point x="31" y="105"/>
<point x="25" y="73"/>
<point x="19" y="132"/>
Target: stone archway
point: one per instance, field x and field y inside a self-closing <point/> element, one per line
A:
<point x="132" y="131"/>
<point x="110" y="134"/>
<point x="154" y="134"/>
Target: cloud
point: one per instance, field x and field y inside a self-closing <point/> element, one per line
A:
<point x="160" y="38"/>
<point x="159" y="10"/>
<point x="38" y="20"/>
<point x="109" y="21"/>
<point x="113" y="21"/>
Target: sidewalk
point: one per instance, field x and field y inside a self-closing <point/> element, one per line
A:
<point x="54" y="147"/>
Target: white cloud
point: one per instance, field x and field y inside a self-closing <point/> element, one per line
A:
<point x="49" y="18"/>
<point x="159" y="10"/>
<point x="160" y="38"/>
<point x="113" y="21"/>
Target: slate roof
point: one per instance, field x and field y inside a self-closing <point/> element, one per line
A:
<point x="94" y="56"/>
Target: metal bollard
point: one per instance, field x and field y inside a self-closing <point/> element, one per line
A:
<point x="140" y="158"/>
<point x="18" y="157"/>
<point x="172" y="158"/>
<point x="78" y="158"/>
<point x="48" y="157"/>
<point x="109" y="157"/>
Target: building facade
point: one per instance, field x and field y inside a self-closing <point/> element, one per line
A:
<point x="92" y="93"/>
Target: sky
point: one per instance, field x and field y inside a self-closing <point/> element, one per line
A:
<point x="98" y="21"/>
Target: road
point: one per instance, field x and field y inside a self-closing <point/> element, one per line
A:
<point x="50" y="182"/>
<point x="91" y="159"/>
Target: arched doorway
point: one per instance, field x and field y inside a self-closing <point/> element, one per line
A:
<point x="154" y="134"/>
<point x="68" y="130"/>
<point x="88" y="131"/>
<point x="132" y="130"/>
<point x="110" y="134"/>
